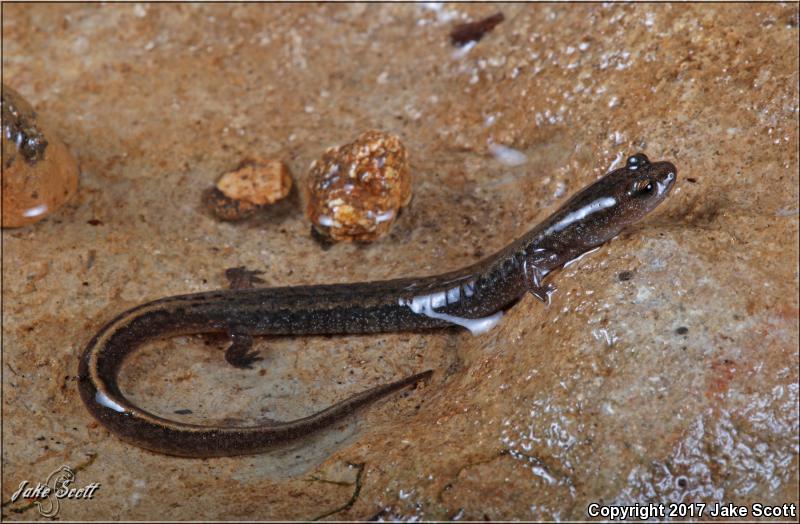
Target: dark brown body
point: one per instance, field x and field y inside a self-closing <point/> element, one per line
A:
<point x="473" y="297"/>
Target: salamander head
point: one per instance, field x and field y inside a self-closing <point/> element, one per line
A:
<point x="646" y="184"/>
<point x="601" y="210"/>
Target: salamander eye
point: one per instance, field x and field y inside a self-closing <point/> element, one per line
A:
<point x="636" y="161"/>
<point x="643" y="187"/>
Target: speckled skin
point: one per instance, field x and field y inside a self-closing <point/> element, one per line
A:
<point x="591" y="217"/>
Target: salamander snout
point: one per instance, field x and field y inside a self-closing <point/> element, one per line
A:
<point x="663" y="175"/>
<point x="666" y="178"/>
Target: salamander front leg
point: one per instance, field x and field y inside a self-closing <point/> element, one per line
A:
<point x="240" y="353"/>
<point x="533" y="278"/>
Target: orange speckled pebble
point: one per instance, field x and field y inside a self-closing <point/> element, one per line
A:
<point x="39" y="173"/>
<point x="355" y="191"/>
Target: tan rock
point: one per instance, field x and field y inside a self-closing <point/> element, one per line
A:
<point x="39" y="173"/>
<point x="260" y="182"/>
<point x="665" y="368"/>
<point x="254" y="183"/>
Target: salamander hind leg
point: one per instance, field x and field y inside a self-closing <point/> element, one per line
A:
<point x="240" y="353"/>
<point x="543" y="292"/>
<point x="243" y="278"/>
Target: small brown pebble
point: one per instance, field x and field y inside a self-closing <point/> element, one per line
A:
<point x="39" y="173"/>
<point x="474" y="31"/>
<point x="253" y="184"/>
<point x="355" y="191"/>
<point x="260" y="182"/>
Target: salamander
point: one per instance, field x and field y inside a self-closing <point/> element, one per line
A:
<point x="474" y="297"/>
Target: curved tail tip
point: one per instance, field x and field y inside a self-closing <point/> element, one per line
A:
<point x="425" y="375"/>
<point x="410" y="380"/>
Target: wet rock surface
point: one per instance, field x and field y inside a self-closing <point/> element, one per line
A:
<point x="665" y="368"/>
